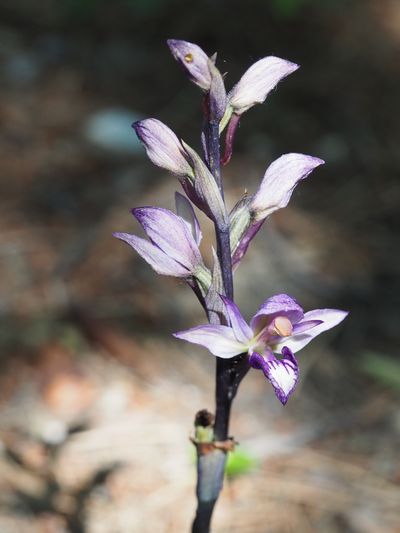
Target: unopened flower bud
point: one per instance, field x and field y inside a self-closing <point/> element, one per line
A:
<point x="163" y="147"/>
<point x="194" y="60"/>
<point x="255" y="84"/>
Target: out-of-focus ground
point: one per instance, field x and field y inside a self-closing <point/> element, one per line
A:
<point x="96" y="398"/>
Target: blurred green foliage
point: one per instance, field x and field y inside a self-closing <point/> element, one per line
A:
<point x="239" y="462"/>
<point x="382" y="368"/>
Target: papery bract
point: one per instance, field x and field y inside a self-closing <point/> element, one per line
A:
<point x="279" y="327"/>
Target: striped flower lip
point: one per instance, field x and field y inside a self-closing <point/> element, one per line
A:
<point x="280" y="326"/>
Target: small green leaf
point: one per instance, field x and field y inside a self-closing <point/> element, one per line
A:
<point x="239" y="462"/>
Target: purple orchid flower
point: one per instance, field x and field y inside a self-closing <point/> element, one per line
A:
<point x="280" y="326"/>
<point x="173" y="246"/>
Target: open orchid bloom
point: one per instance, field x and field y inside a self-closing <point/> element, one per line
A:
<point x="274" y="192"/>
<point x="172" y="248"/>
<point x="280" y="326"/>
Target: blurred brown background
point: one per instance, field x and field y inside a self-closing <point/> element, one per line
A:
<point x="96" y="398"/>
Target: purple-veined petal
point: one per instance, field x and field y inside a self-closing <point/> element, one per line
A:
<point x="255" y="84"/>
<point x="279" y="181"/>
<point x="278" y="305"/>
<point x="157" y="259"/>
<point x="283" y="374"/>
<point x="242" y="331"/>
<point x="170" y="233"/>
<point x="305" y="325"/>
<point x="329" y="317"/>
<point x="219" y="340"/>
<point x="194" y="60"/>
<point x="162" y="146"/>
<point x="184" y="209"/>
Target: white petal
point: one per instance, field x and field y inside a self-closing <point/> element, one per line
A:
<point x="279" y="181"/>
<point x="330" y="318"/>
<point x="219" y="340"/>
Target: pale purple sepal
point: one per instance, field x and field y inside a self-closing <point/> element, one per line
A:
<point x="194" y="60"/>
<point x="219" y="340"/>
<point x="155" y="257"/>
<point x="184" y="209"/>
<point x="170" y="233"/>
<point x="278" y="305"/>
<point x="215" y="307"/>
<point x="206" y="189"/>
<point x="242" y="331"/>
<point x="255" y="84"/>
<point x="283" y="374"/>
<point x="163" y="147"/>
<point x="329" y="317"/>
<point x="279" y="181"/>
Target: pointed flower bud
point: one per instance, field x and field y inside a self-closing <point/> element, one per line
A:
<point x="194" y="60"/>
<point x="279" y="181"/>
<point x="276" y="188"/>
<point x="255" y="84"/>
<point x="171" y="249"/>
<point x="163" y="147"/>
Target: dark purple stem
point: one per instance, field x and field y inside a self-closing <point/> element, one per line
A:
<point x="229" y="373"/>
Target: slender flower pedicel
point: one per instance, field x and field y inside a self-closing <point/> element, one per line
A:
<point x="280" y="328"/>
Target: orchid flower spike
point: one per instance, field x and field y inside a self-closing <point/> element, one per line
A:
<point x="279" y="327"/>
<point x="194" y="60"/>
<point x="172" y="248"/>
<point x="258" y="81"/>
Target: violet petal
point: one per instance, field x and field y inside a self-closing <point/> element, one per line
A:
<point x="162" y="146"/>
<point x="156" y="258"/>
<point x="240" y="327"/>
<point x="170" y="233"/>
<point x="278" y="305"/>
